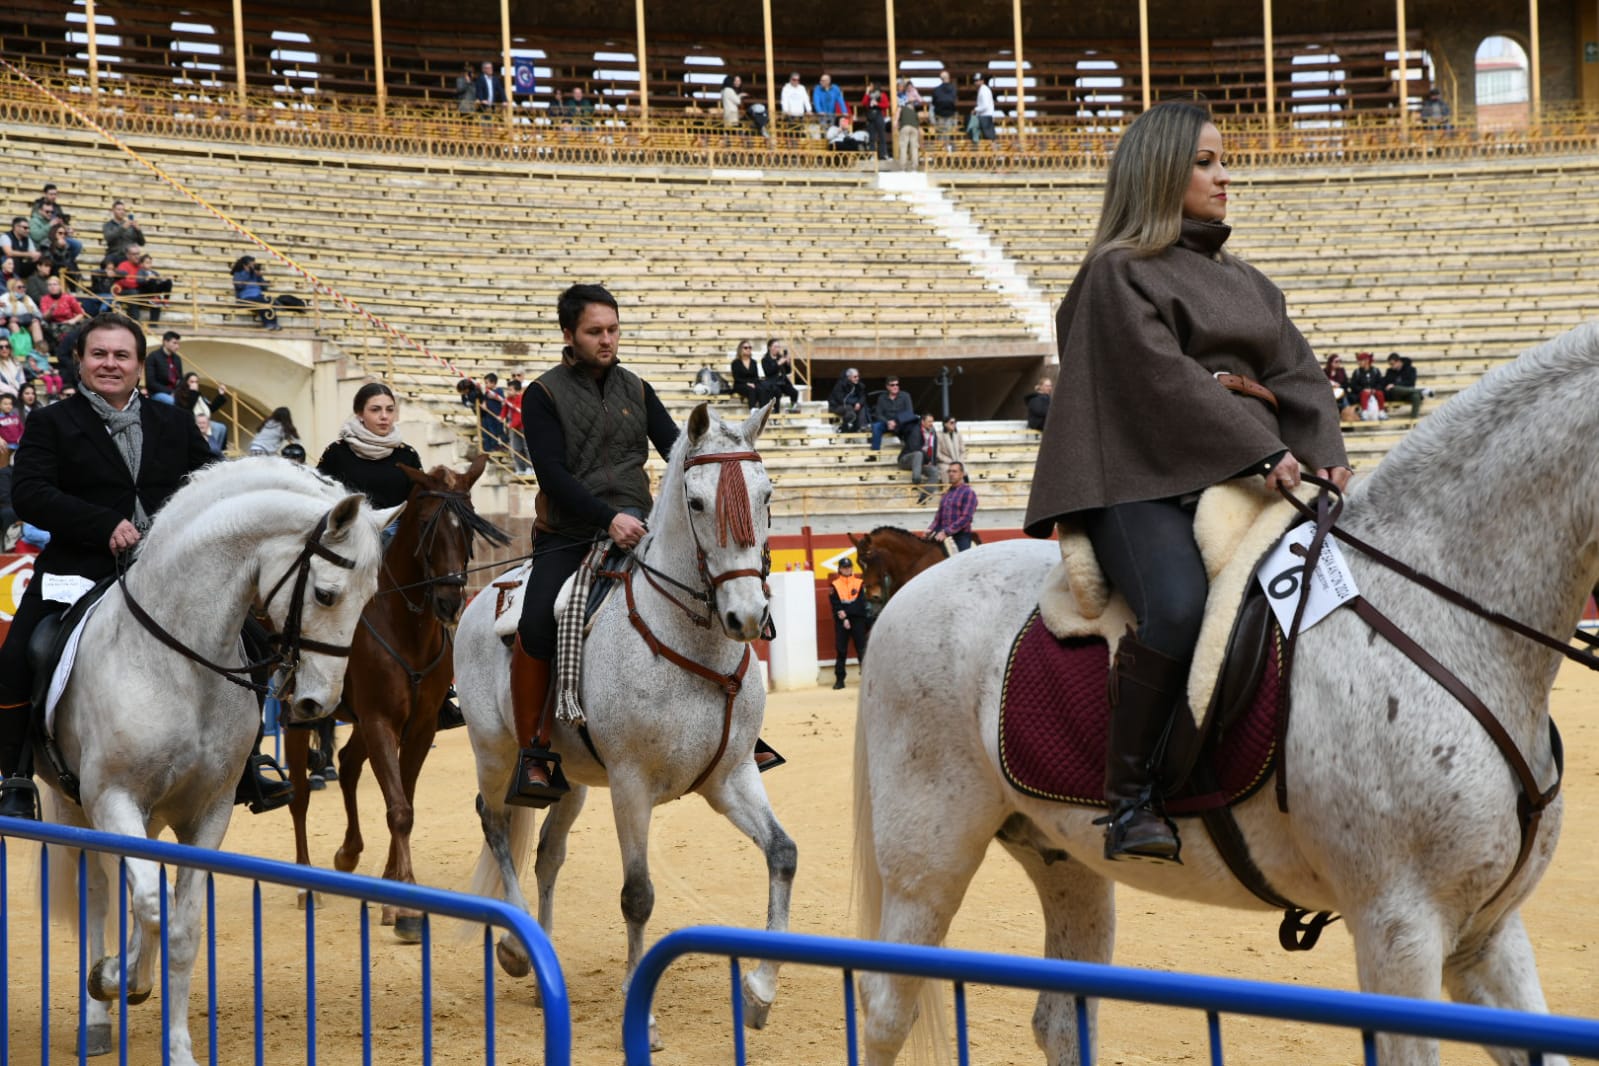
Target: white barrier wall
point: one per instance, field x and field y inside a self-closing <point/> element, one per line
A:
<point x="793" y="656"/>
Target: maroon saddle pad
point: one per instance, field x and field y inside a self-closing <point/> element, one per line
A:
<point x="1054" y="716"/>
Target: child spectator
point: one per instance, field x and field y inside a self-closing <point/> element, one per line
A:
<point x="23" y="314"/>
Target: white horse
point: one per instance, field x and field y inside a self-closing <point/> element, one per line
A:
<point x="158" y="741"/>
<point x="1402" y="812"/>
<point x="661" y="730"/>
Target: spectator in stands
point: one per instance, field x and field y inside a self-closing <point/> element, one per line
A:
<point x="50" y="194"/>
<point x="466" y="89"/>
<point x="120" y="231"/>
<point x="10" y="421"/>
<point x="1399" y="384"/>
<point x="37" y="285"/>
<point x="215" y="434"/>
<point x="777" y="367"/>
<point x="36" y="363"/>
<point x="1155" y="311"/>
<point x="1037" y="403"/>
<point x="23" y="314"/>
<point x="893" y="413"/>
<point x="514" y="390"/>
<point x="946" y="111"/>
<point x="490" y="90"/>
<point x="40" y="217"/>
<point x="909" y="145"/>
<point x="917" y="449"/>
<point x="249" y="286"/>
<point x="1435" y="111"/>
<point x="20" y="249"/>
<point x="141" y="280"/>
<point x="103" y="287"/>
<point x="956" y="509"/>
<point x="747" y="378"/>
<point x="732" y="101"/>
<point x="844" y="137"/>
<point x="1339" y="380"/>
<point x="491" y="414"/>
<point x="274" y="433"/>
<point x="580" y="109"/>
<point x="1366" y="385"/>
<point x="794" y="104"/>
<point x="848" y="401"/>
<point x="874" y="105"/>
<point x="981" y="125"/>
<point x="163" y="370"/>
<point x="12" y="374"/>
<point x="850" y="618"/>
<point x="62" y="251"/>
<point x="951" y="448"/>
<point x="27" y="401"/>
<point x="827" y="101"/>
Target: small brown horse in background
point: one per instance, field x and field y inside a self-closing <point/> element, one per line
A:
<point x="400" y="670"/>
<point x="890" y="556"/>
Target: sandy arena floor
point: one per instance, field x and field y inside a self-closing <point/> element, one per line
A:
<point x="706" y="872"/>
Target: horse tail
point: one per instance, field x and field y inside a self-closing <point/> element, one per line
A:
<point x="520" y="838"/>
<point x="62" y="889"/>
<point x="929" y="1039"/>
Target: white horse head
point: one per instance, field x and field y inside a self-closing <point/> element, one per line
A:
<point x="713" y="512"/>
<point x="260" y="494"/>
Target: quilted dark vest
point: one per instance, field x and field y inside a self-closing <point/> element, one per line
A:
<point x="607" y="442"/>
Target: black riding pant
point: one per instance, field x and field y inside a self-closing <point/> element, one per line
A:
<point x="16" y="672"/>
<point x="1147" y="550"/>
<point x="858" y="630"/>
<point x="555" y="558"/>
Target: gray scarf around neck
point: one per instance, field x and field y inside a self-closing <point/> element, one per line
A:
<point x="127" y="433"/>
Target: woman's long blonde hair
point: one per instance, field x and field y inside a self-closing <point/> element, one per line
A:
<point x="1143" y="208"/>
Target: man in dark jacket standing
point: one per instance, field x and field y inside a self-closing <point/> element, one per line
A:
<point x="163" y="372"/>
<point x="75" y="479"/>
<point x="849" y="618"/>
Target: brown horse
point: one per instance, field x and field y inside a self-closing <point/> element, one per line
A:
<point x="891" y="556"/>
<point x="400" y="669"/>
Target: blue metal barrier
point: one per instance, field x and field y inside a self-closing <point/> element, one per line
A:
<point x="430" y="901"/>
<point x="1539" y="1034"/>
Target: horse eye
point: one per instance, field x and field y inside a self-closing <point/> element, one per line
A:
<point x="696" y="504"/>
<point x="325" y="597"/>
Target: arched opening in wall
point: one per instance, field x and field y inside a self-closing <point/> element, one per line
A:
<point x="1002" y="79"/>
<point x="196" y="51"/>
<point x="1420" y="77"/>
<point x="702" y="78"/>
<point x="104" y="37"/>
<point x="1502" y="87"/>
<point x="614" y="82"/>
<point x="1101" y="95"/>
<point x="1318" y="98"/>
<point x="295" y="68"/>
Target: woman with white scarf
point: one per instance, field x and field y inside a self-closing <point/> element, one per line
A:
<point x="369" y="451"/>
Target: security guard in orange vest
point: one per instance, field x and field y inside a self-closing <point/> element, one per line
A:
<point x="849" y="617"/>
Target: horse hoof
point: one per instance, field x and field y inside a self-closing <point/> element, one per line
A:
<point x="346" y="863"/>
<point x="98" y="1040"/>
<point x="103" y="981"/>
<point x="387" y="916"/>
<point x="303" y="895"/>
<point x="655" y="1036"/>
<point x="137" y="997"/>
<point x="755" y="1008"/>
<point x="408" y="928"/>
<point x="512" y="959"/>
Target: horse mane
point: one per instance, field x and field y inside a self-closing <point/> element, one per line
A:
<point x="190" y="508"/>
<point x="1540" y="384"/>
<point x="895" y="529"/>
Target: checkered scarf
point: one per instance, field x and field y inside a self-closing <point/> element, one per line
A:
<point x="569" y="639"/>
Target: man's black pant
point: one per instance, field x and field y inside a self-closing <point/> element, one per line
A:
<point x="857" y="631"/>
<point x="555" y="558"/>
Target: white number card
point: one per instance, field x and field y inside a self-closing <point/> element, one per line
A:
<point x="65" y="588"/>
<point x="1331" y="585"/>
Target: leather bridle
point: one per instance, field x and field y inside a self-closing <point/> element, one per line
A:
<point x="290" y="641"/>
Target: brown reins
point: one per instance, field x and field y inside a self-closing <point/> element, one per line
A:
<point x="1533" y="799"/>
<point x="291" y="642"/>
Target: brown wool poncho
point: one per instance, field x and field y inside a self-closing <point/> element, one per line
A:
<point x="1137" y="413"/>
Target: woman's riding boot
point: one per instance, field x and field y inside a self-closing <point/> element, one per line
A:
<point x="538" y="781"/>
<point x="19" y="798"/>
<point x="263" y="786"/>
<point x="450" y="712"/>
<point x="1145" y="688"/>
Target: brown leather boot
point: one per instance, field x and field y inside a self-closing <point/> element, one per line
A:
<point x="538" y="781"/>
<point x="1145" y="688"/>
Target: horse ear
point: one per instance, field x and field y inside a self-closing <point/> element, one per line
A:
<point x="343" y="515"/>
<point x="417" y="477"/>
<point x="756" y="422"/>
<point x="386" y="518"/>
<point x="699" y="422"/>
<point x="474" y="471"/>
<point x="856" y="541"/>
